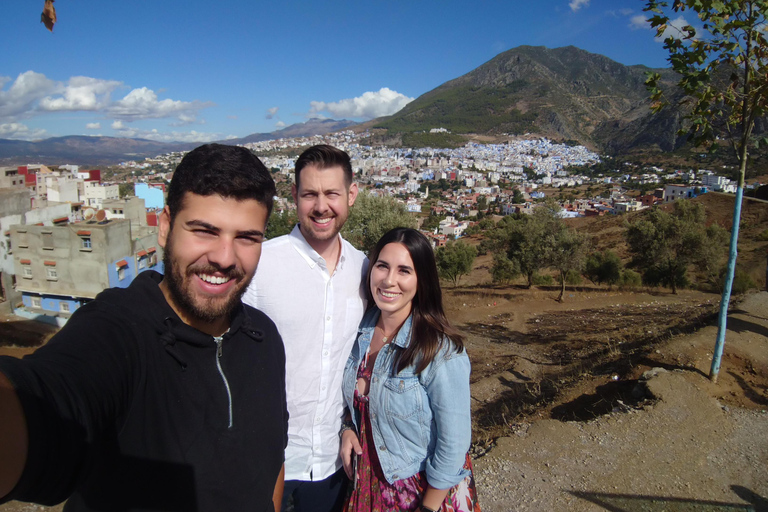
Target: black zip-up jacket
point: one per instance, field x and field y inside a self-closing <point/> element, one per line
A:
<point x="130" y="409"/>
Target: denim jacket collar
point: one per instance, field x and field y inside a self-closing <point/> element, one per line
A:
<point x="368" y="325"/>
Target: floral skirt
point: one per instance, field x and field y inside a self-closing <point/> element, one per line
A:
<point x="372" y="492"/>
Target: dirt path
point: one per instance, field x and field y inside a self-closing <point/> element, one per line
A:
<point x="682" y="447"/>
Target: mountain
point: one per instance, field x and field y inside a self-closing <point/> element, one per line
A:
<point x="306" y="129"/>
<point x="563" y="93"/>
<point x="84" y="150"/>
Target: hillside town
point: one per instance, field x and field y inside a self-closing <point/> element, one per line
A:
<point x="70" y="233"/>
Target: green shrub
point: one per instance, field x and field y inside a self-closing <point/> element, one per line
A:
<point x="573" y="278"/>
<point x="630" y="279"/>
<point x="763" y="237"/>
<point x="742" y="281"/>
<point x="543" y="280"/>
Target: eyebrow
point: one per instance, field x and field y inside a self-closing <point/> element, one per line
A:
<point x="407" y="267"/>
<point x="211" y="227"/>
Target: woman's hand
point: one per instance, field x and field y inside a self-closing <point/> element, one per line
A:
<point x="350" y="446"/>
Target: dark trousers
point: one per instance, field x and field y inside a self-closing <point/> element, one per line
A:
<point x="318" y="496"/>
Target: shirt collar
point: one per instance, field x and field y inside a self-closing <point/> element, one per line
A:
<point x="311" y="256"/>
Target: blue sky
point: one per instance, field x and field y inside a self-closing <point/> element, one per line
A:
<point x="208" y="70"/>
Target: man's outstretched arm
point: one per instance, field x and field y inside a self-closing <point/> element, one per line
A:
<point x="13" y="437"/>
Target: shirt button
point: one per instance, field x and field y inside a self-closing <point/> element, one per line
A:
<point x="328" y="318"/>
<point x="382" y="448"/>
<point x="395" y="477"/>
<point x="325" y="352"/>
<point x="375" y="379"/>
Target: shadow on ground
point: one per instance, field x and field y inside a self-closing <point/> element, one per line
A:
<point x="633" y="503"/>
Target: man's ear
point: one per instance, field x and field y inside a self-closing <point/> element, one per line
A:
<point x="164" y="226"/>
<point x="295" y="194"/>
<point x="353" y="190"/>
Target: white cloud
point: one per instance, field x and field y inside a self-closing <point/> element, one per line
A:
<point x="279" y="124"/>
<point x="93" y="126"/>
<point x="575" y="5"/>
<point x="639" y="22"/>
<point x="154" y="134"/>
<point x="19" y="131"/>
<point x="33" y="94"/>
<point x="142" y="103"/>
<point x="370" y="105"/>
<point x="24" y="93"/>
<point x="271" y="112"/>
<point x="674" y="29"/>
<point x="82" y="93"/>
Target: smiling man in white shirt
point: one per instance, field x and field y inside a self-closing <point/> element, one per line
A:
<point x="309" y="283"/>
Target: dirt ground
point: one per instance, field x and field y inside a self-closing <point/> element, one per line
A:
<point x="557" y="425"/>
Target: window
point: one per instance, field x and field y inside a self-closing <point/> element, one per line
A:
<point x="8" y="242"/>
<point x="121" y="266"/>
<point x="143" y="262"/>
<point x="85" y="240"/>
<point x="26" y="271"/>
<point x="47" y="240"/>
<point x="50" y="273"/>
<point x="22" y="238"/>
<point x="64" y="307"/>
<point x="36" y="302"/>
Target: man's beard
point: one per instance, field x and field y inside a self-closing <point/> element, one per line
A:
<point x="205" y="309"/>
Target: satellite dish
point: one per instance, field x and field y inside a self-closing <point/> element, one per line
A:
<point x="101" y="216"/>
<point x="88" y="214"/>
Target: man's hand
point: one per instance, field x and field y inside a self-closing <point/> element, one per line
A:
<point x="13" y="437"/>
<point x="349" y="445"/>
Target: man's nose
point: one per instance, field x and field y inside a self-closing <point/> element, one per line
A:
<point x="222" y="254"/>
<point x="321" y="204"/>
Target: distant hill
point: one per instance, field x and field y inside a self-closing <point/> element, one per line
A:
<point x="85" y="150"/>
<point x="563" y="93"/>
<point x="306" y="129"/>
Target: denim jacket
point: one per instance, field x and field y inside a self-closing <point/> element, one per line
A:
<point x="419" y="421"/>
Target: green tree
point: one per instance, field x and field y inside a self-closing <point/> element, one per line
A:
<point x="125" y="189"/>
<point x="664" y="245"/>
<point x="518" y="197"/>
<point x="724" y="74"/>
<point x="482" y="203"/>
<point x="371" y="217"/>
<point x="528" y="239"/>
<point x="567" y="253"/>
<point x="603" y="267"/>
<point x="454" y="260"/>
<point x="281" y="223"/>
<point x="503" y="270"/>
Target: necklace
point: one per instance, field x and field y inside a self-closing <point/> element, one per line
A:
<point x="386" y="338"/>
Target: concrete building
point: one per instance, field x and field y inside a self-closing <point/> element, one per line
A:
<point x="94" y="194"/>
<point x="60" y="268"/>
<point x="131" y="208"/>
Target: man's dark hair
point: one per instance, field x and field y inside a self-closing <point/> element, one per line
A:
<point x="229" y="171"/>
<point x="324" y="156"/>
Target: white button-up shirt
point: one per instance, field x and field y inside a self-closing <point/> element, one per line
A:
<point x="317" y="315"/>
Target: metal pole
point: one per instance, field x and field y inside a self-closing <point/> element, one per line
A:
<point x="726" y="298"/>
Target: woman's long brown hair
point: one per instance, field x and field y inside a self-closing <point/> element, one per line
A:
<point x="429" y="326"/>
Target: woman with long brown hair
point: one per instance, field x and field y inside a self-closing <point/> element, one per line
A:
<point x="406" y="437"/>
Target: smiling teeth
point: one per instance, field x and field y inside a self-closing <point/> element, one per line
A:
<point x="213" y="279"/>
<point x="389" y="295"/>
<point x="323" y="221"/>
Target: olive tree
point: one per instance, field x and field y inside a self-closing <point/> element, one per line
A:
<point x="723" y="70"/>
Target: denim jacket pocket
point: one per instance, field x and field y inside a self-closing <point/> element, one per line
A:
<point x="404" y="399"/>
